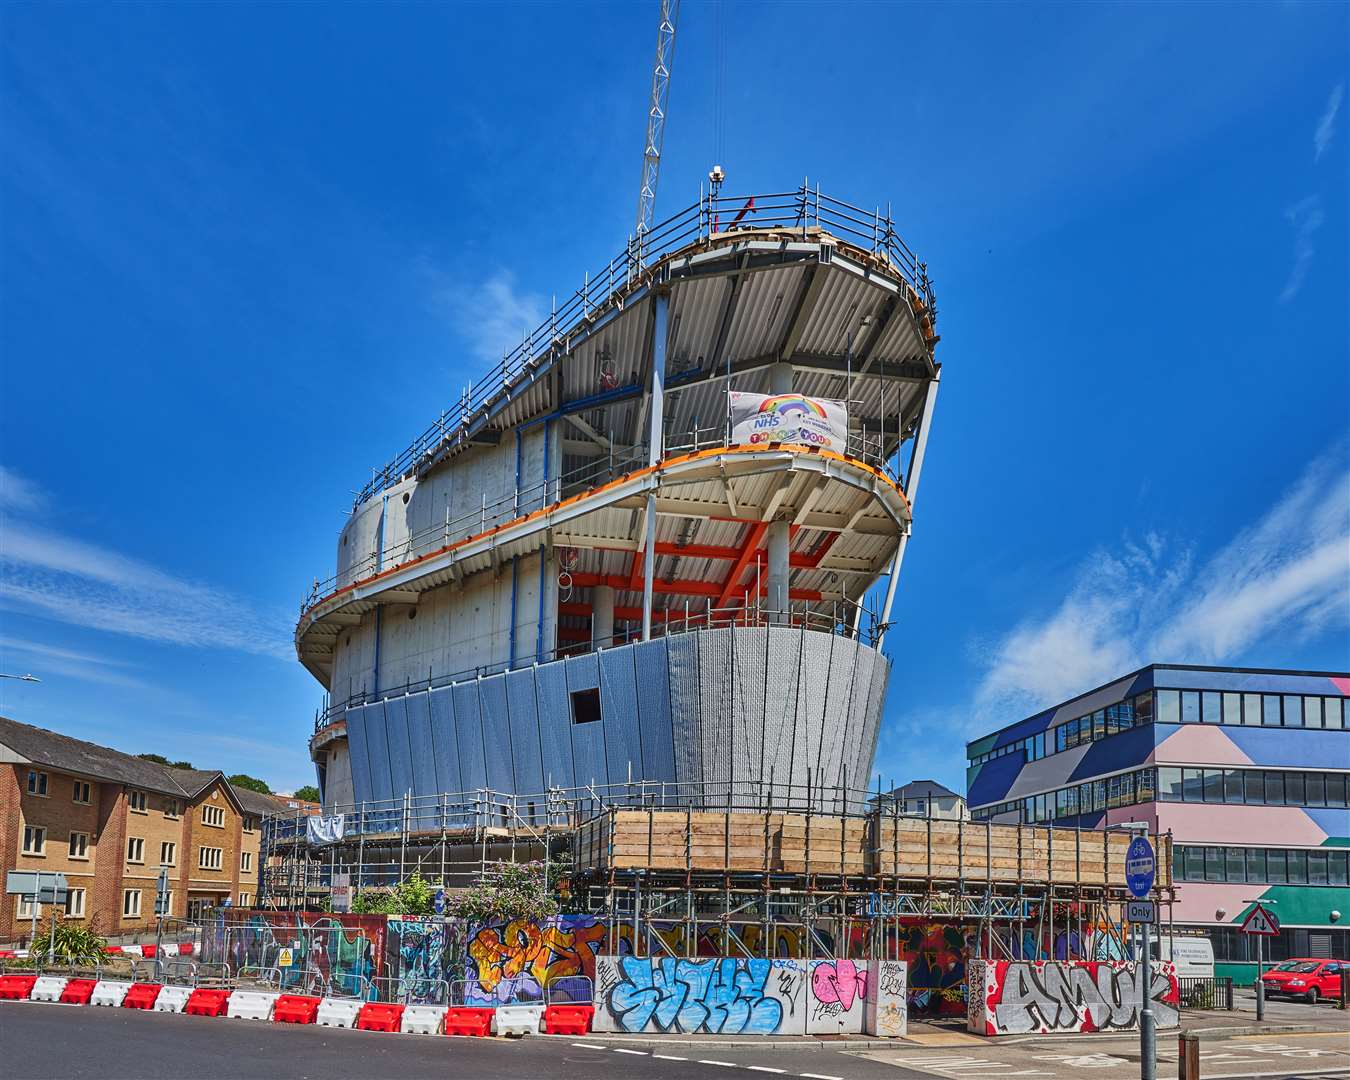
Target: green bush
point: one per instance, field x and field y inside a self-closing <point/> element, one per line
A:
<point x="72" y="943"/>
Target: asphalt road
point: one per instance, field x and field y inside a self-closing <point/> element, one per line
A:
<point x="40" y="1041"/>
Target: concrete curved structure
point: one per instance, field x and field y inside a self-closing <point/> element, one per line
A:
<point x="578" y="576"/>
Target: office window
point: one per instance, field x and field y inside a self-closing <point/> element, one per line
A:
<point x="209" y="858"/>
<point x="1276" y="866"/>
<point x="1236" y="868"/>
<point x="1317" y="868"/>
<point x="1336" y="789"/>
<point x="1334" y="713"/>
<point x="1254" y="786"/>
<point x="1251" y="710"/>
<point x="213" y="816"/>
<point x="1169" y="784"/>
<point x="1099" y="725"/>
<point x="34" y="840"/>
<point x="1315" y="789"/>
<point x="1298" y="867"/>
<point x="1312" y="712"/>
<point x="1194" y="863"/>
<point x="1144" y="787"/>
<point x="79" y="845"/>
<point x="1293" y="711"/>
<point x="1270" y="710"/>
<point x="1274" y="789"/>
<point x="75" y="903"/>
<point x="168" y="853"/>
<point x="1143" y="708"/>
<point x="1213" y="864"/>
<point x="1232" y="709"/>
<point x="1232" y="785"/>
<point x="81" y="792"/>
<point x="1214" y="785"/>
<point x="1211" y="711"/>
<point x="1256" y="865"/>
<point x="1338" y="867"/>
<point x="172" y="808"/>
<point x="131" y="903"/>
<point x="37" y="782"/>
<point x="1169" y="707"/>
<point x="1295" y="793"/>
<point x="135" y="849"/>
<point x="246" y="861"/>
<point x="136" y="801"/>
<point x="1190" y="706"/>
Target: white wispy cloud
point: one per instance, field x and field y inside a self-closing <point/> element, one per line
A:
<point x="17" y="493"/>
<point x="492" y="316"/>
<point x="1287" y="575"/>
<point x="1326" y="126"/>
<point x="1306" y="217"/>
<point x="71" y="580"/>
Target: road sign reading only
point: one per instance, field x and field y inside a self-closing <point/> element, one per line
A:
<point x="1140" y="866"/>
<point x="1141" y="911"/>
<point x="1261" y="921"/>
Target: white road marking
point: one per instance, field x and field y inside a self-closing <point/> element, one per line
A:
<point x="669" y="1057"/>
<point x="727" y="1064"/>
<point x="764" y="1068"/>
<point x="622" y="1050"/>
<point x="821" y="1076"/>
<point x="591" y="1046"/>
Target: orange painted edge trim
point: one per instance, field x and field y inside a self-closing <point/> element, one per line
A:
<point x="796" y="448"/>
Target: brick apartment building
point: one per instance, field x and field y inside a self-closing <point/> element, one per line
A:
<point x="109" y="821"/>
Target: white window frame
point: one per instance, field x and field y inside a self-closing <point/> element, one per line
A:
<point x="249" y="824"/>
<point x="131" y="909"/>
<point x="38" y="832"/>
<point x="246" y="862"/>
<point x="244" y="899"/>
<point x="209" y="812"/>
<point x="75" y="910"/>
<point x="81" y="850"/>
<point x="38" y="782"/>
<point x="136" y="801"/>
<point x="24" y="908"/>
<point x="82" y="788"/>
<point x="168" y="853"/>
<point x="172" y="808"/>
<point x="216" y="860"/>
<point x="136" y="849"/>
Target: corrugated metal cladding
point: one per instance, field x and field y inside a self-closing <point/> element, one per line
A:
<point x="731" y="707"/>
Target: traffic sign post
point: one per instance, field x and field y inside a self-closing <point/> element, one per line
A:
<point x="1260" y="923"/>
<point x="1141" y="912"/>
<point x="1141" y="867"/>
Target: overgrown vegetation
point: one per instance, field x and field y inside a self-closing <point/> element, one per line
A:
<point x="243" y="780"/>
<point x="72" y="943"/>
<point x="308" y="793"/>
<point x="532" y="890"/>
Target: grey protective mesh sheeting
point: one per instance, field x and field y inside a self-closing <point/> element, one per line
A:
<point x="618" y="696"/>
<point x="528" y="768"/>
<point x="496" y="733"/>
<point x="443" y="738"/>
<point x="653" y="690"/>
<point x="684" y="706"/>
<point x="555" y="725"/>
<point x="469" y="736"/>
<point x="377" y="748"/>
<point x="588" y="740"/>
<point x="362" y="784"/>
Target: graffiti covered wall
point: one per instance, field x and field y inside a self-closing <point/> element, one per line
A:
<point x="1013" y="997"/>
<point x="330" y="954"/>
<point x="519" y="960"/>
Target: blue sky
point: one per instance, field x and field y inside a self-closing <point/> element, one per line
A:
<point x="249" y="251"/>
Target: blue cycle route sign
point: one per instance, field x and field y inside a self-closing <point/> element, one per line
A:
<point x="1140" y="866"/>
<point x="438" y="902"/>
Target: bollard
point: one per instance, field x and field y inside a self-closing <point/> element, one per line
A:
<point x="1188" y="1056"/>
<point x="1345" y="986"/>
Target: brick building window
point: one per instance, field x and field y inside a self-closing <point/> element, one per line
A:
<point x="244" y="899"/>
<point x="246" y="861"/>
<point x="131" y="903"/>
<point x="136" y="800"/>
<point x="37" y="783"/>
<point x="81" y="793"/>
<point x="168" y="853"/>
<point x="135" y="849"/>
<point x="249" y="824"/>
<point x="75" y="903"/>
<point x="209" y="858"/>
<point x="172" y="808"/>
<point x="34" y="840"/>
<point x="79" y="845"/>
<point x="213" y="816"/>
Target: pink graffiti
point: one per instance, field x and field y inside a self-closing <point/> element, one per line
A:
<point x="839" y="981"/>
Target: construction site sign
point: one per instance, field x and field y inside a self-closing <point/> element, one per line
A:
<point x="758" y="419"/>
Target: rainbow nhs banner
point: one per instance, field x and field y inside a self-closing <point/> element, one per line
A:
<point x="758" y="419"/>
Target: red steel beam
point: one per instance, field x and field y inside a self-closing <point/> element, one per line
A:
<point x="733" y="580"/>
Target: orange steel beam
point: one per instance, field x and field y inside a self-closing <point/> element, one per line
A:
<point x="748" y="550"/>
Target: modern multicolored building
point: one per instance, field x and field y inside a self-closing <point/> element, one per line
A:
<point x="1247" y="768"/>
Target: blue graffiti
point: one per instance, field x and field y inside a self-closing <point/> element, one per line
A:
<point x="721" y="996"/>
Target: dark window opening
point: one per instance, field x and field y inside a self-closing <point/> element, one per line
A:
<point x="585" y="706"/>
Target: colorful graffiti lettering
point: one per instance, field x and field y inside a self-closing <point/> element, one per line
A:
<point x="519" y="960"/>
<point x="721" y="996"/>
<point x="417" y="960"/>
<point x="937" y="954"/>
<point x="1022" y="996"/>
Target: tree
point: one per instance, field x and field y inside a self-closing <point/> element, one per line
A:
<point x="243" y="780"/>
<point x="308" y="793"/>
<point x="160" y="759"/>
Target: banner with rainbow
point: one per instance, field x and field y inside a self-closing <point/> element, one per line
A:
<point x="757" y="419"/>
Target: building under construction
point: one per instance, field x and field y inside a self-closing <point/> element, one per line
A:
<point x="615" y="602"/>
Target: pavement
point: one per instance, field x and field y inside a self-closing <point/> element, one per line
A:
<point x="42" y="1041"/>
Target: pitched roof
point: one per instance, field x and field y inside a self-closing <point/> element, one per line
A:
<point x="924" y="789"/>
<point x="255" y="802"/>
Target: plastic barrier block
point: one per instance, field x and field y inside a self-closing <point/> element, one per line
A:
<point x="7" y="954"/>
<point x="251" y="1005"/>
<point x="48" y="988"/>
<point x="78" y="991"/>
<point x="142" y="995"/>
<point x="149" y="950"/>
<point x="337" y="1012"/>
<point x="296" y="1009"/>
<point x="518" y="1019"/>
<point x="468" y="1020"/>
<point x="379" y="1016"/>
<point x="185" y="950"/>
<point x="203" y="1002"/>
<point x="422" y="1019"/>
<point x="112" y="948"/>
<point x="173" y="999"/>
<point x="109" y="993"/>
<point x="568" y="1019"/>
<point x="132" y="950"/>
<point x="16" y="987"/>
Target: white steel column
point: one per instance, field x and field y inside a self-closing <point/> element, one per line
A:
<point x="602" y="617"/>
<point x="655" y="449"/>
<point x="912" y="492"/>
<point x="778" y="597"/>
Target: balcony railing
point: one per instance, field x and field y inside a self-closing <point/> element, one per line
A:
<point x="803" y="209"/>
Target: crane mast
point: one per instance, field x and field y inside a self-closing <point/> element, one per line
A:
<point x="656" y="120"/>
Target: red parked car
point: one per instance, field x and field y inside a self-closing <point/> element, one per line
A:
<point x="1306" y="978"/>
